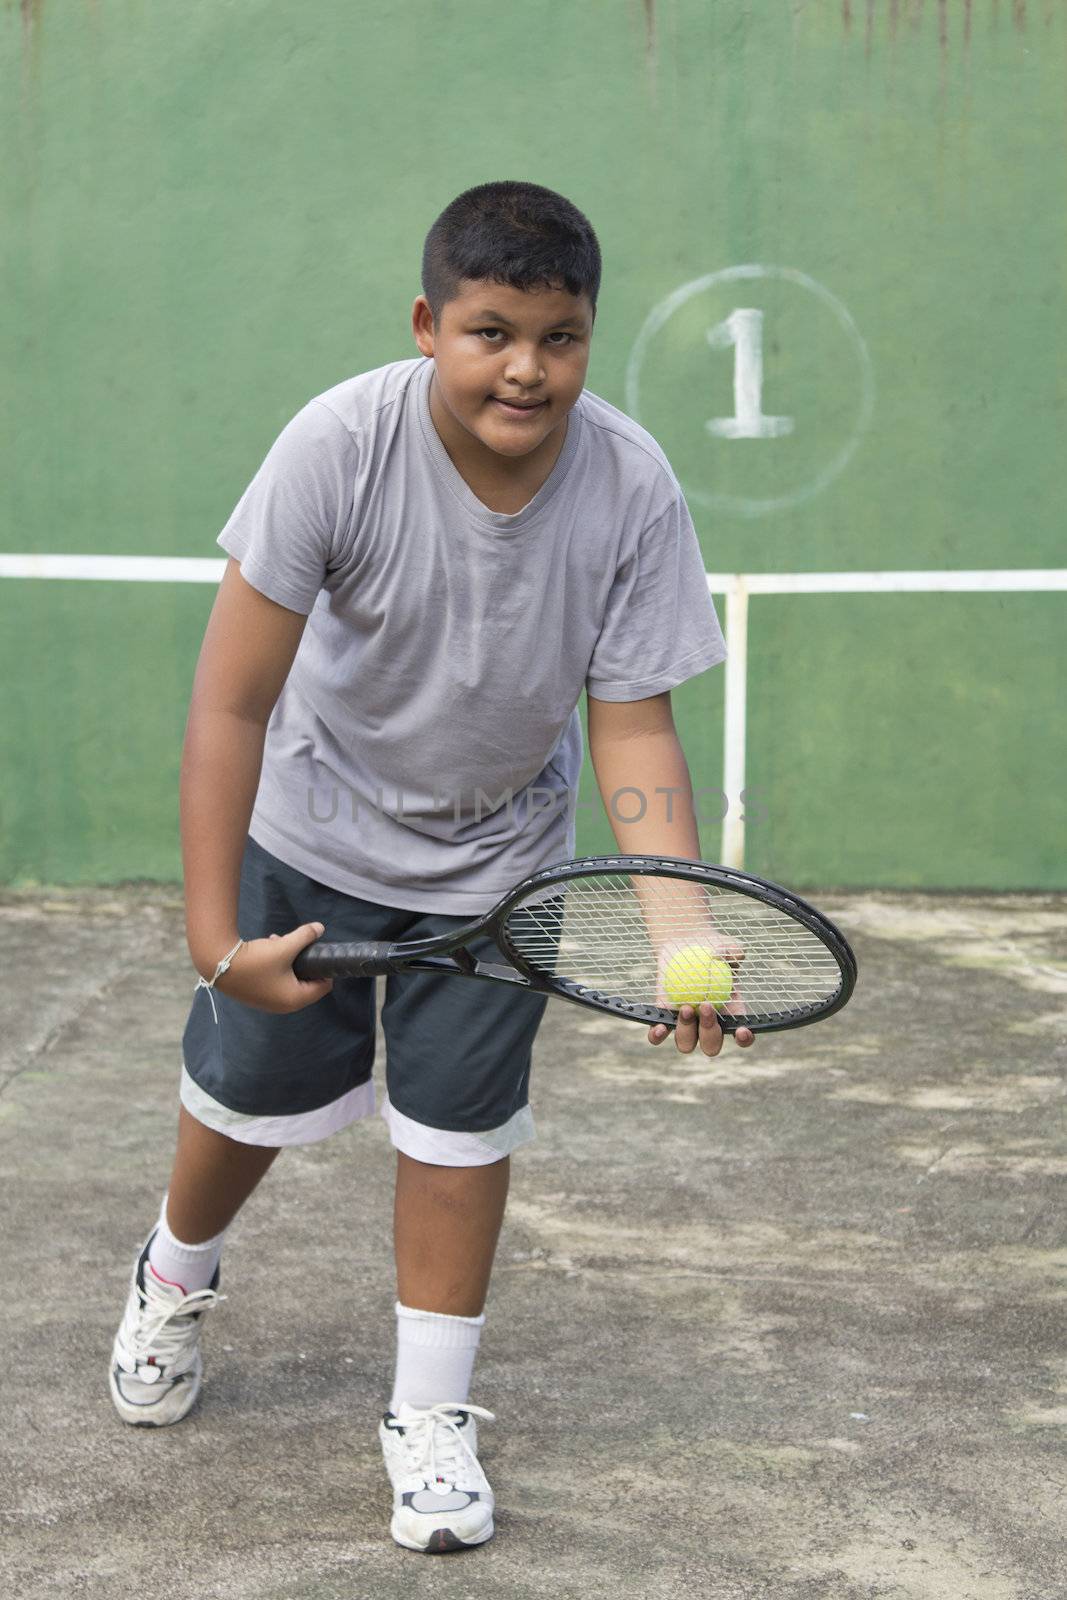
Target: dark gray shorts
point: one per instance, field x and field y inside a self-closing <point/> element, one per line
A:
<point x="457" y="1050"/>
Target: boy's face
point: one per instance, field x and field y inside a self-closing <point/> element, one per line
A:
<point x="496" y="344"/>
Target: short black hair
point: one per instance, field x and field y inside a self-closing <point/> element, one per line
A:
<point x="510" y="233"/>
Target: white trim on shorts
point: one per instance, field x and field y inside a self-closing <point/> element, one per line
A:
<point x="304" y="1127"/>
<point x="441" y="1148"/>
<point x="438" y="1147"/>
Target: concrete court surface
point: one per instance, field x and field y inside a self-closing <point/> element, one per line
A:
<point x="788" y="1324"/>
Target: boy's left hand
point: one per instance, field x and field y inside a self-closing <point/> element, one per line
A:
<point x="691" y="1030"/>
<point x="700" y="1024"/>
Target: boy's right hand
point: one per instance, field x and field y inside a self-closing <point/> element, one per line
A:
<point x="261" y="973"/>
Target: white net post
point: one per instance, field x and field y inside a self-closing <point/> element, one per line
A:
<point x="732" y="846"/>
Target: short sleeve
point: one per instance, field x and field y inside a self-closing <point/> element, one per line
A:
<point x="290" y="524"/>
<point x="660" y="626"/>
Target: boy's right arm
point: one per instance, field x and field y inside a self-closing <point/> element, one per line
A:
<point x="249" y="646"/>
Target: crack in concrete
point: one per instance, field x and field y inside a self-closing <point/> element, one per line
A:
<point x="37" y="1052"/>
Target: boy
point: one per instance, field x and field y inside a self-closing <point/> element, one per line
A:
<point x="432" y="562"/>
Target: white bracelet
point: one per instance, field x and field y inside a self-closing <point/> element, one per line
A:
<point x="223" y="966"/>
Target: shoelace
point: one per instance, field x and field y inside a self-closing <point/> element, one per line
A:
<point x="164" y="1325"/>
<point x="433" y="1441"/>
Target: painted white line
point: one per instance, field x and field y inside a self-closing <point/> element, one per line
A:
<point x="114" y="569"/>
<point x="736" y="586"/>
<point x="1020" y="579"/>
<point x="732" y="847"/>
<point x="739" y="586"/>
<point x="184" y="569"/>
<point x="661" y="313"/>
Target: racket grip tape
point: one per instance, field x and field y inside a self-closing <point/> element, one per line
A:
<point x="358" y="959"/>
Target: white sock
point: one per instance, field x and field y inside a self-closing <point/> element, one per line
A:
<point x="434" y="1357"/>
<point x="190" y="1266"/>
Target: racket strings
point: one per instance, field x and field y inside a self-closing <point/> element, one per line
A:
<point x="614" y="932"/>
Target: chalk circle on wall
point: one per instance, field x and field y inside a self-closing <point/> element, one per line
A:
<point x="757" y="383"/>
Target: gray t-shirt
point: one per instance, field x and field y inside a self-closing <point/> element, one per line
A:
<point x="426" y="748"/>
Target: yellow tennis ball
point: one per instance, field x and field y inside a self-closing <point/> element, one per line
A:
<point x="695" y="974"/>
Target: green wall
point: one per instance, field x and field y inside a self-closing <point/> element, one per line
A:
<point x="213" y="212"/>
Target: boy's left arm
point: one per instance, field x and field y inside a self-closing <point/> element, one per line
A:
<point x="634" y="746"/>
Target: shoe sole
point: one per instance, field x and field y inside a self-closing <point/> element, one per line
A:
<point x="442" y="1541"/>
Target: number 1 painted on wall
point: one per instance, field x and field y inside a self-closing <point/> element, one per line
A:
<point x="743" y="329"/>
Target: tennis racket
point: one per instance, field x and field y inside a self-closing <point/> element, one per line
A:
<point x="601" y="931"/>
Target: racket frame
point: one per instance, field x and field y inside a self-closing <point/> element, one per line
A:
<point x="447" y="954"/>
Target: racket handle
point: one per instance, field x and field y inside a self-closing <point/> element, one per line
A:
<point x="359" y="959"/>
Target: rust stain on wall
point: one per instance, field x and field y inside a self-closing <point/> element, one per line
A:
<point x="31" y="15"/>
<point x="948" y="14"/>
<point x="650" y="26"/>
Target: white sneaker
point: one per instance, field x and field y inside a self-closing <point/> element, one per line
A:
<point x="441" y="1498"/>
<point x="155" y="1360"/>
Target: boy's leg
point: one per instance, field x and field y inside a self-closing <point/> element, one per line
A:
<point x="156" y="1368"/>
<point x="458" y="1065"/>
<point x="446" y="1225"/>
<point x="212" y="1178"/>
